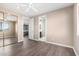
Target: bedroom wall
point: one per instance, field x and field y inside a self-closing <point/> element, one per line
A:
<point x="60" y="26"/>
<point x="76" y="29"/>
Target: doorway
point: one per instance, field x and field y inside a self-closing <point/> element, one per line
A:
<point x="42" y="27"/>
<point x="26" y="30"/>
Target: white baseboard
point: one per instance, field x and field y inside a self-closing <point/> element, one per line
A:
<point x="75" y="52"/>
<point x="55" y="43"/>
<point x="60" y="45"/>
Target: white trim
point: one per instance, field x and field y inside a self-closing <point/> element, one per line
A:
<point x="75" y="52"/>
<point x="55" y="43"/>
<point x="31" y="28"/>
<point x="45" y="18"/>
<point x="58" y="44"/>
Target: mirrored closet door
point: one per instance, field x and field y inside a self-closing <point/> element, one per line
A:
<point x="42" y="27"/>
<point x="8" y="32"/>
<point x="1" y="34"/>
<point x="1" y="30"/>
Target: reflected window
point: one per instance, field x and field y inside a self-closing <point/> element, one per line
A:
<point x="4" y="26"/>
<point x="0" y="26"/>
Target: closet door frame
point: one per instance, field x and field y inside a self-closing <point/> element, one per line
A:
<point x="45" y="32"/>
<point x="3" y="20"/>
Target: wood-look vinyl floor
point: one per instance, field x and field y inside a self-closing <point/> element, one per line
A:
<point x="35" y="48"/>
<point x="8" y="41"/>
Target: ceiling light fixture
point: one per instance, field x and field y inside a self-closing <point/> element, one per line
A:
<point x="29" y="6"/>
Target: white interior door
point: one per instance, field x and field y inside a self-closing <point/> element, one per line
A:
<point x="31" y="28"/>
<point x="42" y="28"/>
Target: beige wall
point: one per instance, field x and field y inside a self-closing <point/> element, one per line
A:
<point x="77" y="40"/>
<point x="60" y="26"/>
<point x="76" y="29"/>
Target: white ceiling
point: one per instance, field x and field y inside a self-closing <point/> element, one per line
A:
<point x="41" y="7"/>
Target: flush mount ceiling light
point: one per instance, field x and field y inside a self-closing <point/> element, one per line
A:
<point x="28" y="6"/>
